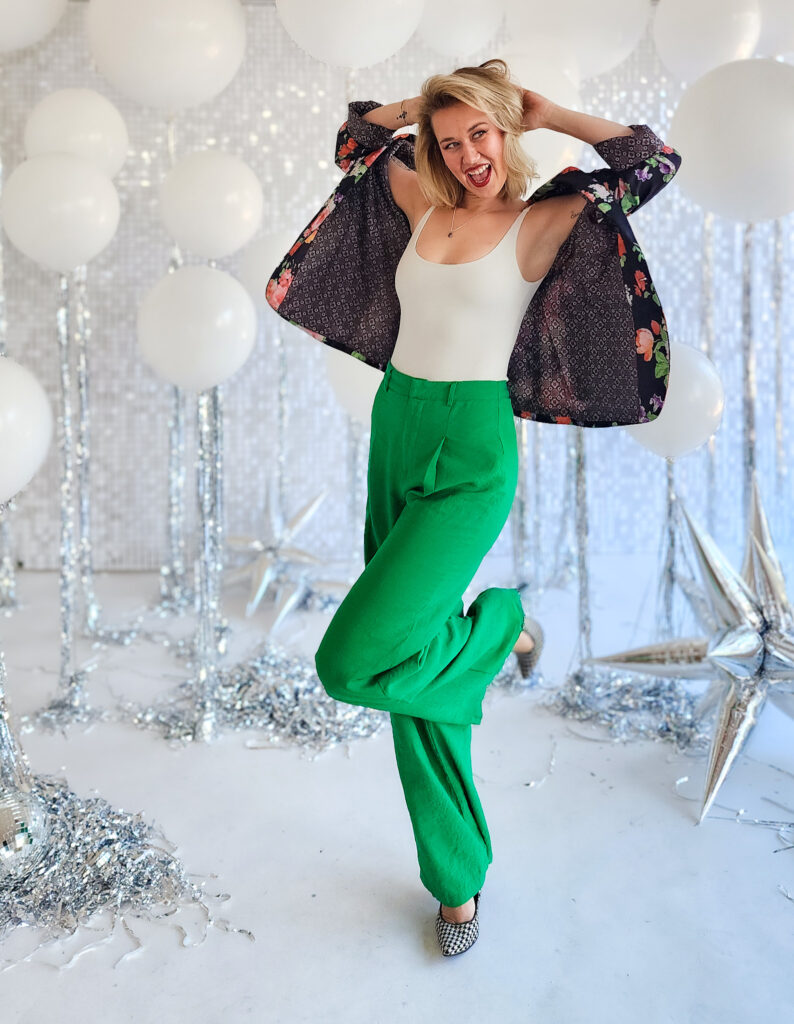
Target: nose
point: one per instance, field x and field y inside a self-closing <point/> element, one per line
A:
<point x="471" y="155"/>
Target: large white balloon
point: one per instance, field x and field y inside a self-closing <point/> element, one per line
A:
<point x="735" y="127"/>
<point x="459" y="27"/>
<point x="692" y="409"/>
<point x="59" y="210"/>
<point x="196" y="327"/>
<point x="539" y="67"/>
<point x="25" y="427"/>
<point x="211" y="203"/>
<point x="167" y="53"/>
<point x="692" y="38"/>
<point x="354" y="383"/>
<point x="258" y="261"/>
<point x="350" y="33"/>
<point x="600" y="43"/>
<point x="82" y="122"/>
<point x="24" y="22"/>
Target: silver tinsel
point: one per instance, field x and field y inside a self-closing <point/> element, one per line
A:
<point x="630" y="705"/>
<point x="70" y="703"/>
<point x="100" y="858"/>
<point x="273" y="692"/>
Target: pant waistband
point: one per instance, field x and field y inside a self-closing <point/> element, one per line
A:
<point x="446" y="391"/>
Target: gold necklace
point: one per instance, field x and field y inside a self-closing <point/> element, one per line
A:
<point x="451" y="229"/>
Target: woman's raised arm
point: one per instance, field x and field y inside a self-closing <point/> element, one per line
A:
<point x="390" y="114"/>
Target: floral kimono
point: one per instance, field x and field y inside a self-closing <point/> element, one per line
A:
<point x="592" y="347"/>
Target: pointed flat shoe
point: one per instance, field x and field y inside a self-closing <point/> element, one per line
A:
<point x="456" y="938"/>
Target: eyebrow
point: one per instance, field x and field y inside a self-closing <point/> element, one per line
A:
<point x="451" y="138"/>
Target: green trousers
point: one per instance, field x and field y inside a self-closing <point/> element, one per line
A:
<point x="442" y="474"/>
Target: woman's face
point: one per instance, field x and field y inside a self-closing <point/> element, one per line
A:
<point x="468" y="139"/>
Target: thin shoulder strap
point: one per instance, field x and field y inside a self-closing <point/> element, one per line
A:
<point x="421" y="223"/>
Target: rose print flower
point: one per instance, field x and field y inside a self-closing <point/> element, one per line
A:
<point x="643" y="339"/>
<point x="621" y="246"/>
<point x="319" y="218"/>
<point x="370" y="158"/>
<point x="276" y="290"/>
<point x="640" y="282"/>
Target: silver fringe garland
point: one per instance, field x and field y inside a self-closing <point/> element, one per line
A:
<point x="8" y="596"/>
<point x="630" y="706"/>
<point x="748" y="369"/>
<point x="176" y="596"/>
<point x="70" y="703"/>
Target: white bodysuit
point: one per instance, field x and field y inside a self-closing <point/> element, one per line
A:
<point x="460" y="321"/>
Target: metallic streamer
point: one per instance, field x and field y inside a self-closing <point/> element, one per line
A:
<point x="583" y="648"/>
<point x="176" y="595"/>
<point x="82" y="332"/>
<point x="707" y="333"/>
<point x="664" y="604"/>
<point x="220" y="624"/>
<point x="519" y="512"/>
<point x="537" y="490"/>
<point x="781" y="465"/>
<point x="70" y="703"/>
<point x="205" y="727"/>
<point x="748" y="369"/>
<point x="8" y="596"/>
<point x="563" y="568"/>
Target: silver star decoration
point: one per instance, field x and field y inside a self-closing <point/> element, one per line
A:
<point x="750" y="623"/>
<point x="274" y="558"/>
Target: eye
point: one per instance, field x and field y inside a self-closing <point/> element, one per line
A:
<point x="480" y="131"/>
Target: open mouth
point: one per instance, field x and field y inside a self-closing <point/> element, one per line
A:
<point x="481" y="178"/>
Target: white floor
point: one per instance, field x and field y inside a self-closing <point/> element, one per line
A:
<point x="605" y="903"/>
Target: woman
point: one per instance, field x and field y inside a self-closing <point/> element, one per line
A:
<point x="443" y="459"/>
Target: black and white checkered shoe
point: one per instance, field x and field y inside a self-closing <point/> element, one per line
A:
<point x="527" y="660"/>
<point x="457" y="938"/>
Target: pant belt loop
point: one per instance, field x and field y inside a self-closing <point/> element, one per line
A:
<point x="451" y="392"/>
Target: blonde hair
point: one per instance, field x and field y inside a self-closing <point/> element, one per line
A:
<point x="489" y="88"/>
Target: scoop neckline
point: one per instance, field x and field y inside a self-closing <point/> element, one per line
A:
<point x="466" y="263"/>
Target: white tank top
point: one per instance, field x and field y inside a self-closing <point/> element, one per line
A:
<point x="460" y="321"/>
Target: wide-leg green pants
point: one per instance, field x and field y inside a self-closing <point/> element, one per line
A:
<point x="442" y="474"/>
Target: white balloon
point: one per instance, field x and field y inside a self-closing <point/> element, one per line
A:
<point x="260" y="259"/>
<point x="735" y="129"/>
<point x="692" y="38"/>
<point x="777" y="29"/>
<point x="167" y="53"/>
<point x="692" y="409"/>
<point x="24" y="22"/>
<point x="459" y="27"/>
<point x="82" y="122"/>
<point x="26" y="426"/>
<point x="354" y="383"/>
<point x="350" y="33"/>
<point x="59" y="210"/>
<point x="211" y="203"/>
<point x="539" y="67"/>
<point x="196" y="327"/>
<point x="600" y="43"/>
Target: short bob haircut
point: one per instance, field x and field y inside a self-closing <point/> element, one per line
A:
<point x="489" y="88"/>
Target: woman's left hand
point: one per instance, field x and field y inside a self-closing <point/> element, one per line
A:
<point x="536" y="110"/>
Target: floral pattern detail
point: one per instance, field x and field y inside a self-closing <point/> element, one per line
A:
<point x="592" y="347"/>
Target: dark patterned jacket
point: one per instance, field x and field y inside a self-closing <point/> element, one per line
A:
<point x="592" y="348"/>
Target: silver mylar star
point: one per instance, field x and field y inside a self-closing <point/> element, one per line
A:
<point x="751" y="642"/>
<point x="274" y="558"/>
